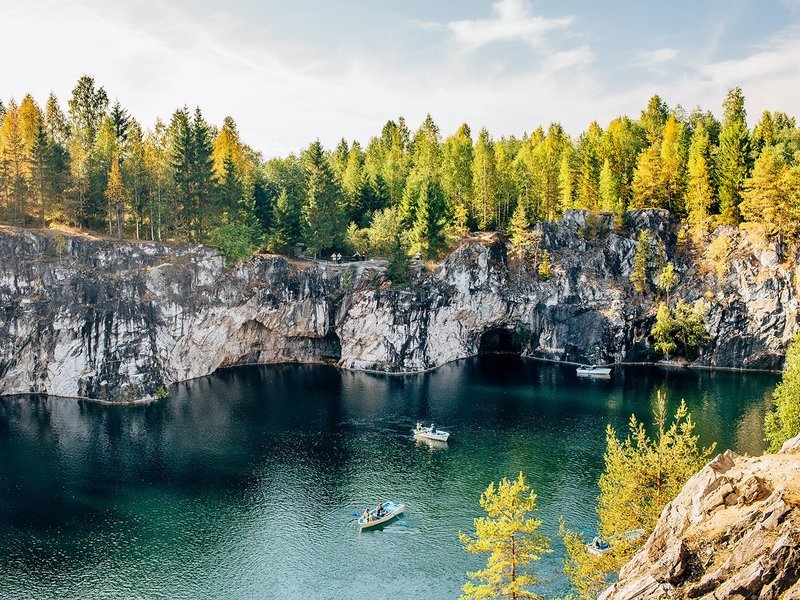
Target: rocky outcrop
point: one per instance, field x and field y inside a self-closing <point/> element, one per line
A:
<point x="91" y="318"/>
<point x="732" y="532"/>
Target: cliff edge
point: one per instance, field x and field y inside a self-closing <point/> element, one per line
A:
<point x="732" y="532"/>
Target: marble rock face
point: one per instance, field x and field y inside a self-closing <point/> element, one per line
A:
<point x="91" y="318"/>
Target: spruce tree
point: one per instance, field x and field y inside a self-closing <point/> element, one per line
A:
<point x="733" y="157"/>
<point x="398" y="268"/>
<point x="203" y="182"/>
<point x="321" y="214"/>
<point x="427" y="232"/>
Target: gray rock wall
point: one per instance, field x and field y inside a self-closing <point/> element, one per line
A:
<point x="118" y="321"/>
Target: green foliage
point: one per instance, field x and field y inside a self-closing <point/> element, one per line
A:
<point x="642" y="474"/>
<point x="682" y="328"/>
<point x="783" y="422"/>
<point x="733" y="158"/>
<point x="509" y="534"/>
<point x="399" y="267"/>
<point x="667" y="279"/>
<point x="522" y="238"/>
<point x="663" y="331"/>
<point x="640" y="262"/>
<point x="233" y="240"/>
<point x="182" y="177"/>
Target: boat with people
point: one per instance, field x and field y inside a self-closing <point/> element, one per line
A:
<point x="598" y="546"/>
<point x="430" y="433"/>
<point x="593" y="371"/>
<point x="380" y="516"/>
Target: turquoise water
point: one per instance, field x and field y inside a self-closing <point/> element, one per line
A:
<point x="243" y="484"/>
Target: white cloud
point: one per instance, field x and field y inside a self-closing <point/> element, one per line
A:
<point x="511" y="22"/>
<point x="655" y="57"/>
<point x="286" y="92"/>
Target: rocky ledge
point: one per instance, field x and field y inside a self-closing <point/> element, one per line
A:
<point x="84" y="317"/>
<point x="732" y="532"/>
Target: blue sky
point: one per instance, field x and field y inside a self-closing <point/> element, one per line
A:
<point x="291" y="72"/>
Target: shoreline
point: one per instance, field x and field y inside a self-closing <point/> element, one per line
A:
<point x="153" y="399"/>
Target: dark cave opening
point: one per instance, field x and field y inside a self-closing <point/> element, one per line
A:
<point x="500" y="341"/>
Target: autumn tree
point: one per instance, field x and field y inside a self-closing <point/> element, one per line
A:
<point x="509" y="534"/>
<point x="699" y="192"/>
<point x="771" y="197"/>
<point x="642" y="474"/>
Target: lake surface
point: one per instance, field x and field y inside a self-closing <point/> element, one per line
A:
<point x="243" y="484"/>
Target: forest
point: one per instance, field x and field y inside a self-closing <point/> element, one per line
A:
<point x="93" y="166"/>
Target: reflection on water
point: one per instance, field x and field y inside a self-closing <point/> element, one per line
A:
<point x="244" y="484"/>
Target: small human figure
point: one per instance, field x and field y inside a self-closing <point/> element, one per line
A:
<point x="379" y="510"/>
<point x="433" y="428"/>
<point x="365" y="516"/>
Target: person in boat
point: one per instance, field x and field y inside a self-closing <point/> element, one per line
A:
<point x="419" y="426"/>
<point x="433" y="428"/>
<point x="379" y="510"/>
<point x="365" y="516"/>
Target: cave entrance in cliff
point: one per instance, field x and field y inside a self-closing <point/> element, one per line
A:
<point x="330" y="348"/>
<point x="500" y="341"/>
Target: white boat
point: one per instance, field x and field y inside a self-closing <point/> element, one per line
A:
<point x="389" y="511"/>
<point x="592" y="371"/>
<point x="430" y="433"/>
<point x="598" y="547"/>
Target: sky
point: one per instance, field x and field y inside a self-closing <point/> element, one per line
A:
<point x="293" y="72"/>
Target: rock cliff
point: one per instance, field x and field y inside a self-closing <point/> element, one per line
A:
<point x="84" y="317"/>
<point x="732" y="532"/>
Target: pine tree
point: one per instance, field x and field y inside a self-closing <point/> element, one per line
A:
<point x="509" y="534"/>
<point x="733" y="157"/>
<point x="783" y="421"/>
